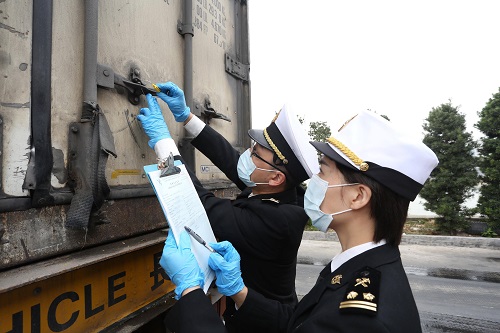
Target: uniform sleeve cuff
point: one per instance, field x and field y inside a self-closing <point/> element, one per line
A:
<point x="164" y="147"/>
<point x="195" y="126"/>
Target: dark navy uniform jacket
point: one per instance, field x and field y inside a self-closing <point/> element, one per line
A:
<point x="265" y="229"/>
<point x="368" y="293"/>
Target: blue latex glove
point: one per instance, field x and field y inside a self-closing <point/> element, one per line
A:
<point x="153" y="123"/>
<point x="180" y="264"/>
<point x="226" y="264"/>
<point x="174" y="97"/>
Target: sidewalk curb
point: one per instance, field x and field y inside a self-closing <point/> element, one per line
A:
<point x="459" y="241"/>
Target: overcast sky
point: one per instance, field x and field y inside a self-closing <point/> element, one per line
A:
<point x="330" y="59"/>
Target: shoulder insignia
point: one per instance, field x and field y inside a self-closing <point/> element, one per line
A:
<point x="336" y="279"/>
<point x="362" y="293"/>
<point x="272" y="199"/>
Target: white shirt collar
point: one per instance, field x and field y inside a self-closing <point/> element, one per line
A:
<point x="348" y="254"/>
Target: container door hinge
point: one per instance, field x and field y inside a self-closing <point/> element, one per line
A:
<point x="237" y="69"/>
<point x="107" y="78"/>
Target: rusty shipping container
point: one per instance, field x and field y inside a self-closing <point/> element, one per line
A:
<point x="81" y="231"/>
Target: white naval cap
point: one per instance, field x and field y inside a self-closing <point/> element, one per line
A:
<point x="373" y="145"/>
<point x="287" y="138"/>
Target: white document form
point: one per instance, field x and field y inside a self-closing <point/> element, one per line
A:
<point x="182" y="207"/>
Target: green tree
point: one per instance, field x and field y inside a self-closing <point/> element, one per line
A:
<point x="489" y="157"/>
<point x="319" y="131"/>
<point x="454" y="179"/>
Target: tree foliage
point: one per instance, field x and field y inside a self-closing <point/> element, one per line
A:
<point x="489" y="157"/>
<point x="319" y="131"/>
<point x="454" y="179"/>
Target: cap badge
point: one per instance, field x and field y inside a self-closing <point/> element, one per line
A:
<point x="363" y="166"/>
<point x="276" y="116"/>
<point x="347" y="122"/>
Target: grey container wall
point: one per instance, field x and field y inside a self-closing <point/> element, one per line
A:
<point x="43" y="74"/>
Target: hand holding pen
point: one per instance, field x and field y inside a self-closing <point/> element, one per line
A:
<point x="199" y="239"/>
<point x="225" y="261"/>
<point x="226" y="265"/>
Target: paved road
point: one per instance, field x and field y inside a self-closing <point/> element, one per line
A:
<point x="451" y="305"/>
<point x="457" y="289"/>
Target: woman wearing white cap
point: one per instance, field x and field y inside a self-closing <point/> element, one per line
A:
<point x="369" y="173"/>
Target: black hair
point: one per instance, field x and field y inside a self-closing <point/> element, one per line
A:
<point x="388" y="209"/>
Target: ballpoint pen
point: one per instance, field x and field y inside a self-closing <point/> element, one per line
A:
<point x="199" y="239"/>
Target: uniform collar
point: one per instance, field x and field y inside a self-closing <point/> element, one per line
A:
<point x="348" y="254"/>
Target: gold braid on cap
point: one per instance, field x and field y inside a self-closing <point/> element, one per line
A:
<point x="363" y="166"/>
<point x="276" y="150"/>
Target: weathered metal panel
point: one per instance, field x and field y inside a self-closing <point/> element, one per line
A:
<point x="216" y="25"/>
<point x="38" y="233"/>
<point x="15" y="76"/>
<point x="131" y="34"/>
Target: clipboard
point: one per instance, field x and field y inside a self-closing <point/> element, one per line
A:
<point x="182" y="207"/>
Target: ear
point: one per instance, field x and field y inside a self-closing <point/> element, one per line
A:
<point x="361" y="196"/>
<point x="277" y="179"/>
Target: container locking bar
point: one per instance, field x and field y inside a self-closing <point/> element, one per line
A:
<point x="208" y="112"/>
<point x="107" y="78"/>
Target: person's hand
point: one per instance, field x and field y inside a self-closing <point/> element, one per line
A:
<point x="174" y="97"/>
<point x="226" y="264"/>
<point x="152" y="122"/>
<point x="180" y="264"/>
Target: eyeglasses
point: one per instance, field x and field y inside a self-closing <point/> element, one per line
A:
<point x="263" y="160"/>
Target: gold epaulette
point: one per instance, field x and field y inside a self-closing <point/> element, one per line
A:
<point x="272" y="200"/>
<point x="362" y="293"/>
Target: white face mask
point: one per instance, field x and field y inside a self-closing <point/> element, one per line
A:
<point x="246" y="167"/>
<point x="315" y="194"/>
